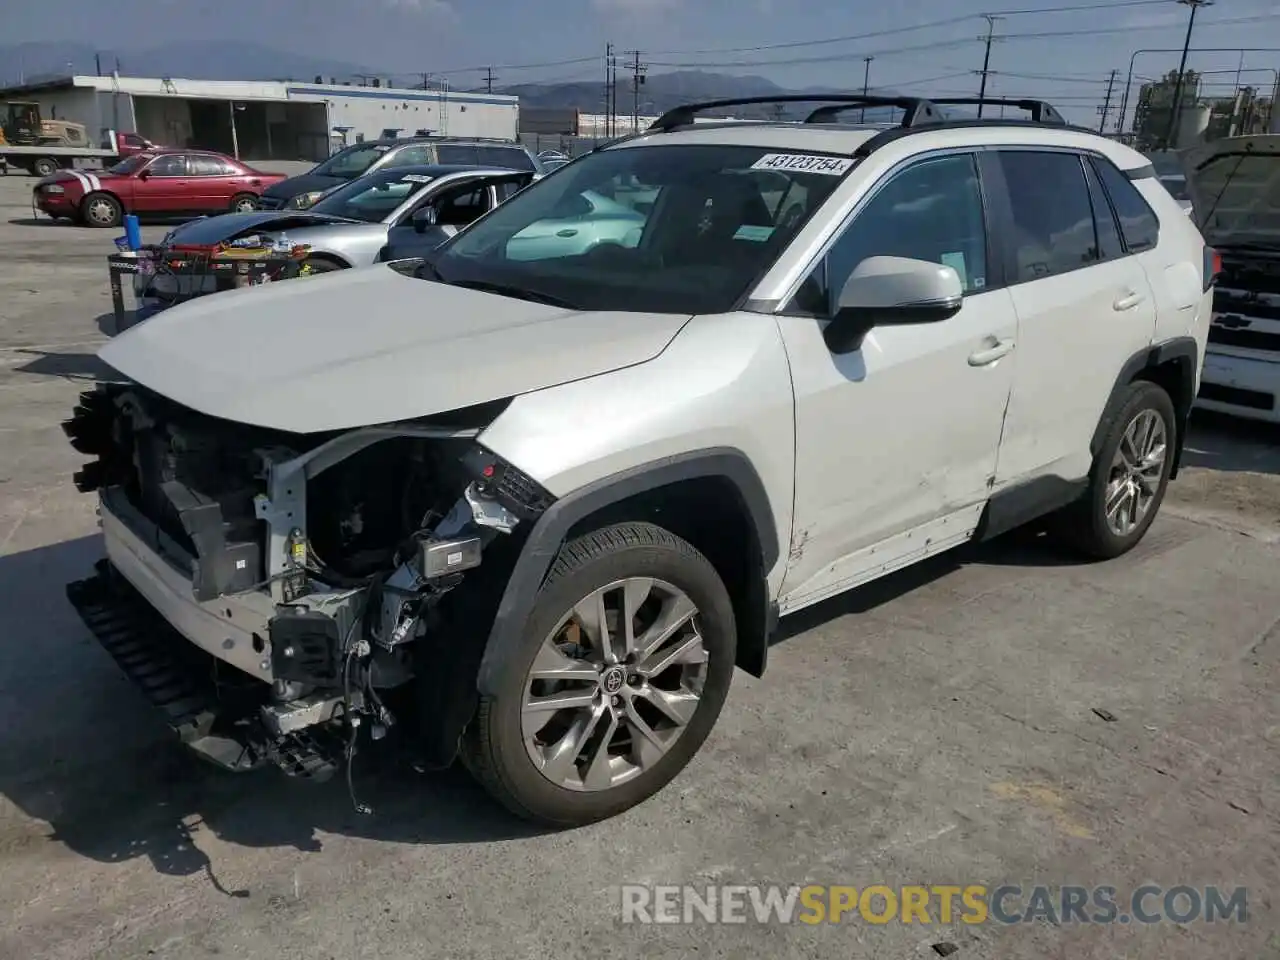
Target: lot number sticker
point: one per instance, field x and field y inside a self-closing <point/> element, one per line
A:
<point x="804" y="163"/>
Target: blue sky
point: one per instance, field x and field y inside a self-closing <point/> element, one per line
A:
<point x="455" y="38"/>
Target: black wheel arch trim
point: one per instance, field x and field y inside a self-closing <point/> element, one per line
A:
<point x="550" y="530"/>
<point x="1185" y="353"/>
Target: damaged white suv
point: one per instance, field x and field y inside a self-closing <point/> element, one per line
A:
<point x="533" y="506"/>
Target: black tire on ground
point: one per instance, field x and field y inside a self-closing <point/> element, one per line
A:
<point x="44" y="166"/>
<point x="101" y="210"/>
<point x="1083" y="525"/>
<point x="244" y="203"/>
<point x="494" y="746"/>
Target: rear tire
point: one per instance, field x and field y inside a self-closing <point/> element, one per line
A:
<point x="244" y="203"/>
<point x="1129" y="478"/>
<point x="101" y="210"/>
<point x="44" y="167"/>
<point x="626" y="727"/>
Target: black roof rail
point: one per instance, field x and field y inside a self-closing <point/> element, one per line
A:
<point x="916" y="110"/>
<point x="1040" y="111"/>
<point x="897" y="133"/>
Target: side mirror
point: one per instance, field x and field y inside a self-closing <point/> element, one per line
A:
<point x="424" y="217"/>
<point x="884" y="291"/>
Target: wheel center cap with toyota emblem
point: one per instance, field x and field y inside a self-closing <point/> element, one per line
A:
<point x="612" y="680"/>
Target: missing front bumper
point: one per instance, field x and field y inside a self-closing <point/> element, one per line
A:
<point x="217" y="717"/>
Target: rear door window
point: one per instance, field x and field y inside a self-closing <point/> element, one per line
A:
<point x="467" y="155"/>
<point x="1052" y="213"/>
<point x="1138" y="223"/>
<point x="169" y="165"/>
<point x="510" y="157"/>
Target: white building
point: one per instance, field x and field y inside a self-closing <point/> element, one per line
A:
<point x="267" y="120"/>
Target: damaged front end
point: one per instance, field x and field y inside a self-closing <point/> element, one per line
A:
<point x="272" y="593"/>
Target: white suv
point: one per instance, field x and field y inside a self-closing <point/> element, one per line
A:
<point x="533" y="505"/>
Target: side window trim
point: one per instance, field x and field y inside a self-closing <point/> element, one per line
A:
<point x="1096" y="188"/>
<point x="996" y="269"/>
<point x="1131" y="176"/>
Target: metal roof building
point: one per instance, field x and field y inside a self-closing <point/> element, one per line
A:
<point x="266" y="119"/>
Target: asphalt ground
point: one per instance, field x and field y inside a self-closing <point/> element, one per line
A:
<point x="997" y="716"/>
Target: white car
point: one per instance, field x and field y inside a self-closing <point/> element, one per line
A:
<point x="1235" y="185"/>
<point x="536" y="510"/>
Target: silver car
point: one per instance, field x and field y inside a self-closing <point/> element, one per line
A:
<point x="350" y="226"/>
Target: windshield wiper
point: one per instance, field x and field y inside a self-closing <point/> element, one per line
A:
<point x="519" y="293"/>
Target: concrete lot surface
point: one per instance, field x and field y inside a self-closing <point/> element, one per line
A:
<point x="999" y="716"/>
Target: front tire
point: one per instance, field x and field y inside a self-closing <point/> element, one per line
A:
<point x="244" y="203"/>
<point x="625" y="664"/>
<point x="1129" y="478"/>
<point x="101" y="210"/>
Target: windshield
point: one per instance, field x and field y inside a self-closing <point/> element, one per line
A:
<point x="372" y="198"/>
<point x="663" y="229"/>
<point x="351" y="162"/>
<point x="130" y="164"/>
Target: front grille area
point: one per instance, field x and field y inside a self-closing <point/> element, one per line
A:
<point x="190" y="477"/>
<point x="1227" y="300"/>
<point x="1250" y="399"/>
<point x="1244" y="337"/>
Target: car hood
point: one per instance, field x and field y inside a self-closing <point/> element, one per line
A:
<point x="89" y="179"/>
<point x="1235" y="189"/>
<point x="362" y="347"/>
<point x="303" y="183"/>
<point x="228" y="226"/>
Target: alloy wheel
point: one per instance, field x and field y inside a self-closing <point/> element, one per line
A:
<point x="101" y="211"/>
<point x="614" y="685"/>
<point x="246" y="206"/>
<point x="1136" y="472"/>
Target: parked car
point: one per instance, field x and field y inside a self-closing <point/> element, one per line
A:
<point x="298" y="193"/>
<point x="556" y="501"/>
<point x="352" y="225"/>
<point x="153" y="183"/>
<point x="1234" y="184"/>
<point x="591" y="221"/>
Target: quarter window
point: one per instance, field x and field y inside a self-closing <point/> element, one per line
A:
<point x="1138" y="223"/>
<point x="1109" y="244"/>
<point x="509" y="157"/>
<point x="1052" y="214"/>
<point x="931" y="211"/>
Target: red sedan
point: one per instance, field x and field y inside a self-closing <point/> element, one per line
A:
<point x="154" y="183"/>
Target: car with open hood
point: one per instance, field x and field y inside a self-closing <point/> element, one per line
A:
<point x="153" y="183"/>
<point x="1235" y="188"/>
<point x="533" y="504"/>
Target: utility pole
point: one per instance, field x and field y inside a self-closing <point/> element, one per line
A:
<point x="986" y="57"/>
<point x="1105" y="109"/>
<point x="866" y="84"/>
<point x="637" y="80"/>
<point x="608" y="89"/>
<point x="613" y="96"/>
<point x="1171" y="136"/>
<point x="97" y="63"/>
<point x="488" y="79"/>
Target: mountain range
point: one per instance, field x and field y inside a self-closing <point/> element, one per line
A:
<point x="33" y="62"/>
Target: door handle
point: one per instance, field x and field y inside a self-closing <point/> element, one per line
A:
<point x="567" y="232"/>
<point x="991" y="354"/>
<point x="1128" y="301"/>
